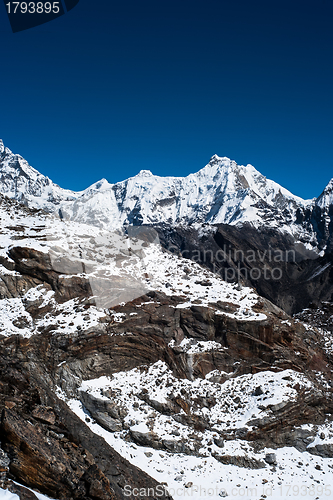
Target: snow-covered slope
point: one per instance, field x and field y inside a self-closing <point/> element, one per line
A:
<point x="118" y="266"/>
<point x="191" y="474"/>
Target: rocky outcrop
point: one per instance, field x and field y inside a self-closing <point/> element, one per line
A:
<point x="278" y="266"/>
<point x="49" y="463"/>
<point x="105" y="413"/>
<point x="34" y="264"/>
<point x="12" y="286"/>
<point x="240" y="461"/>
<point x="280" y="427"/>
<point x="51" y="450"/>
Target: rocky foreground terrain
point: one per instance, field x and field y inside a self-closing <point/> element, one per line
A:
<point x="192" y="381"/>
<point x="132" y="366"/>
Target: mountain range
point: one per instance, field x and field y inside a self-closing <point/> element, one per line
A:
<point x="220" y="193"/>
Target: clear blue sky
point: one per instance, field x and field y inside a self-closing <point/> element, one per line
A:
<point x="111" y="88"/>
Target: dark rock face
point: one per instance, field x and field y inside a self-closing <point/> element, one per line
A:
<point x="48" y="447"/>
<point x="41" y="461"/>
<point x="249" y="463"/>
<point x="23" y="493"/>
<point x="323" y="450"/>
<point x="105" y="414"/>
<point x="278" y="267"/>
<point x="320" y="316"/>
<point x="37" y="265"/>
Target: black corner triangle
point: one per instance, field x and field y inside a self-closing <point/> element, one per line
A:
<point x="70" y="4"/>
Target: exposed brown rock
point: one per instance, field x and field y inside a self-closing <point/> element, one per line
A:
<point x="44" y="414"/>
<point x="53" y="451"/>
<point x="49" y="448"/>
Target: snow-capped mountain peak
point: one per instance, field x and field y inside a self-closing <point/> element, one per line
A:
<point x="144" y="173"/>
<point x="326" y="197"/>
<point x="21" y="181"/>
<point x="100" y="186"/>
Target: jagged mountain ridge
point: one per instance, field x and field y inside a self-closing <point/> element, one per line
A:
<point x="220" y="193"/>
